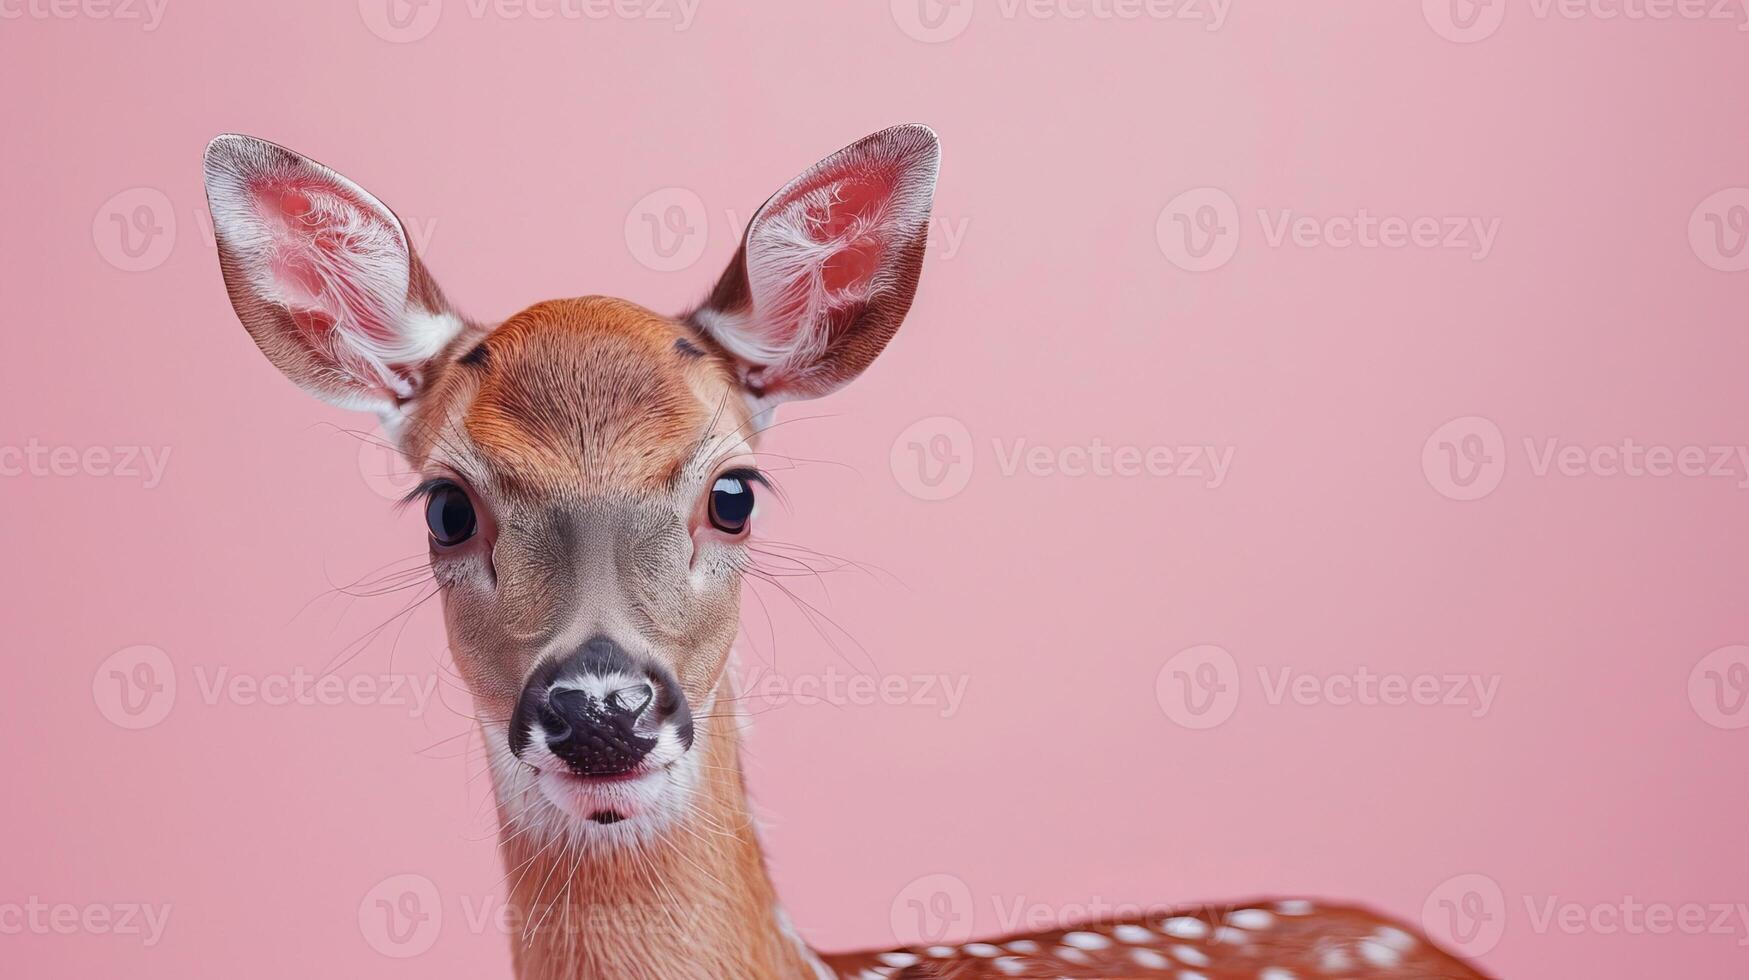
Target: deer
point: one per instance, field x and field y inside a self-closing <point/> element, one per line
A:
<point x="588" y="473"/>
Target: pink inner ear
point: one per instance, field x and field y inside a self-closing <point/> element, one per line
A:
<point x="853" y="266"/>
<point x="837" y="250"/>
<point x="326" y="244"/>
<point x="854" y="230"/>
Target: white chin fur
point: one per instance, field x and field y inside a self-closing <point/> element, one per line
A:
<point x="538" y="794"/>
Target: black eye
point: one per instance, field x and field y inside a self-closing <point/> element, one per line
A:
<point x="449" y="514"/>
<point x="731" y="503"/>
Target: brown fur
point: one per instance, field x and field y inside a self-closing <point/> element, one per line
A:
<point x="582" y="397"/>
<point x="700" y="905"/>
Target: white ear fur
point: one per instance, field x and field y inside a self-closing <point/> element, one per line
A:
<point x="322" y="275"/>
<point x="828" y="267"/>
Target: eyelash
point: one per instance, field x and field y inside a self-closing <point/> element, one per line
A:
<point x="750" y="474"/>
<point x="423" y="491"/>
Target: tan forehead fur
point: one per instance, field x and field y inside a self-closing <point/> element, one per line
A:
<point x="591" y="396"/>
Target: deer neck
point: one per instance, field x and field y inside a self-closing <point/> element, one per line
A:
<point x="693" y="902"/>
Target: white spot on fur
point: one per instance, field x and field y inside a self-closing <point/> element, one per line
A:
<point x="900" y="960"/>
<point x="1131" y="933"/>
<point x="983" y="950"/>
<point x="1191" y="955"/>
<point x="1086" y="940"/>
<point x="1149" y="958"/>
<point x="1185" y="927"/>
<point x="1250" y="918"/>
<point x="1377" y="953"/>
<point x="1335" y="959"/>
<point x="1395" y="938"/>
<point x="1294" y="906"/>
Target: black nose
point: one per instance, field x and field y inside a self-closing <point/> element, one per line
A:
<point x="600" y="710"/>
<point x="596" y="732"/>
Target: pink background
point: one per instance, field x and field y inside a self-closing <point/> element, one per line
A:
<point x="1049" y="312"/>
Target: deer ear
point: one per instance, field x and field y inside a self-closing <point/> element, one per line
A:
<point x="827" y="269"/>
<point x="321" y="274"/>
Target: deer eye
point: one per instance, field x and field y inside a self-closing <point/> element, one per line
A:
<point x="449" y="514"/>
<point x="731" y="504"/>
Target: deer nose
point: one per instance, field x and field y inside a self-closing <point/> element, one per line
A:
<point x="601" y="711"/>
<point x="596" y="733"/>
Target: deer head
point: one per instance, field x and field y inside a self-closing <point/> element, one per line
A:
<point x="587" y="465"/>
